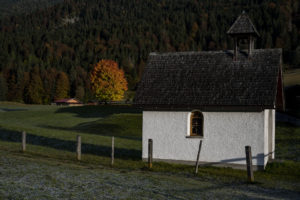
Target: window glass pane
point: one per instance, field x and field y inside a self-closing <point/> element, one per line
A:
<point x="195" y="121"/>
<point x="196" y="124"/>
<point x="198" y="130"/>
<point x="194" y="131"/>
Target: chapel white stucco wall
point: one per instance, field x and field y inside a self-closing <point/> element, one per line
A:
<point x="225" y="136"/>
<point x="266" y="135"/>
<point x="272" y="122"/>
<point x="269" y="134"/>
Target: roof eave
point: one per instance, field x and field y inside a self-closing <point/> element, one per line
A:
<point x="207" y="108"/>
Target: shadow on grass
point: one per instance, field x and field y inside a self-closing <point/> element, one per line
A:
<point x="14" y="136"/>
<point x="97" y="128"/>
<point x="12" y="110"/>
<point x="99" y="111"/>
<point x="123" y="121"/>
<point x="287" y="141"/>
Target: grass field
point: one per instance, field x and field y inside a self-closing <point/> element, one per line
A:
<point x="50" y="165"/>
<point x="56" y="128"/>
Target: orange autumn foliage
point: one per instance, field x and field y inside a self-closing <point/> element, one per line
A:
<point x="108" y="81"/>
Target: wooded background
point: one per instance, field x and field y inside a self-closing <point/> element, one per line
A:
<point x="47" y="45"/>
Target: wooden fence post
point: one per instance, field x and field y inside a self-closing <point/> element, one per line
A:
<point x="150" y="153"/>
<point x="198" y="156"/>
<point x="249" y="164"/>
<point x="78" y="149"/>
<point x="112" y="150"/>
<point x="23" y="141"/>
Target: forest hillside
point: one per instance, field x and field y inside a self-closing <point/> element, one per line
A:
<point x="68" y="37"/>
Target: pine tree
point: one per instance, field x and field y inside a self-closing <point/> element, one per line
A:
<point x="80" y="93"/>
<point x="3" y="88"/>
<point x="62" y="87"/>
<point x="49" y="79"/>
<point x="12" y="87"/>
<point x="35" y="90"/>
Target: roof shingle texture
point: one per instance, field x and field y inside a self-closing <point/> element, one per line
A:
<point x="243" y="25"/>
<point x="186" y="79"/>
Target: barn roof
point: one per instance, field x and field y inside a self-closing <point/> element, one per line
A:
<point x="242" y="25"/>
<point x="191" y="80"/>
<point x="69" y="100"/>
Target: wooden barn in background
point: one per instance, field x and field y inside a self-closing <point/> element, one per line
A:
<point x="68" y="102"/>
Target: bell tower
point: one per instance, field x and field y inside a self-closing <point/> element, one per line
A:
<point x="243" y="30"/>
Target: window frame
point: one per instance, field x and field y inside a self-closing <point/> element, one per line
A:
<point x="190" y="121"/>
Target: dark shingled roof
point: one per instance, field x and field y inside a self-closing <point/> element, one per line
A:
<point x="242" y="25"/>
<point x="185" y="80"/>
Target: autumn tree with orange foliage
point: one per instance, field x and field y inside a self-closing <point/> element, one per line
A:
<point x="108" y="81"/>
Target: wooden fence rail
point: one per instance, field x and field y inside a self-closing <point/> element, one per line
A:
<point x="112" y="150"/>
<point x="249" y="164"/>
<point x="198" y="156"/>
<point x="78" y="149"/>
<point x="150" y="153"/>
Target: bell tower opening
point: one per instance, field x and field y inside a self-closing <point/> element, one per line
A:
<point x="243" y="33"/>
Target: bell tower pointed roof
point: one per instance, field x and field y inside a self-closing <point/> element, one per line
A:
<point x="243" y="26"/>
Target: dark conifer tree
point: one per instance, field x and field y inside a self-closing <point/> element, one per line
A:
<point x="3" y="88"/>
<point x="62" y="87"/>
<point x="35" y="90"/>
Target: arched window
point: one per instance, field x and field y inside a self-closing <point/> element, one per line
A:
<point x="196" y="126"/>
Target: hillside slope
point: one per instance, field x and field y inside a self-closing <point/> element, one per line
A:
<point x="17" y="7"/>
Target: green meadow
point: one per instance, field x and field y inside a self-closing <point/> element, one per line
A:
<point x="52" y="130"/>
<point x="51" y="139"/>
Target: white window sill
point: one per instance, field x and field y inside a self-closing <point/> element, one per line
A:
<point x="195" y="136"/>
